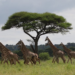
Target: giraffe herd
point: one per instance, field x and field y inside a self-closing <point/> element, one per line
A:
<point x="32" y="57"/>
<point x="28" y="56"/>
<point x="58" y="53"/>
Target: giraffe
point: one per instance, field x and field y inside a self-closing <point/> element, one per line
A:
<point x="8" y="55"/>
<point x="56" y="52"/>
<point x="71" y="54"/>
<point x="3" y="55"/>
<point x="27" y="54"/>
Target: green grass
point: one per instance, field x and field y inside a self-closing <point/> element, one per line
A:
<point x="44" y="68"/>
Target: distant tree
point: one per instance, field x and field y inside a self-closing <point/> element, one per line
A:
<point x="41" y="23"/>
<point x="71" y="44"/>
<point x="72" y="48"/>
<point x="19" y="52"/>
<point x="44" y="56"/>
<point x="49" y="50"/>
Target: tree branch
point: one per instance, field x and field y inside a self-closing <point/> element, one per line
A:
<point x="28" y="33"/>
<point x="32" y="48"/>
<point x="42" y="29"/>
<point x="47" y="33"/>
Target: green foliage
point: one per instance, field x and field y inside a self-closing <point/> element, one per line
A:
<point x="33" y="21"/>
<point x="50" y="51"/>
<point x="44" y="56"/>
<point x="72" y="48"/>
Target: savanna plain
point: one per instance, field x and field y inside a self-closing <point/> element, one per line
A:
<point x="44" y="68"/>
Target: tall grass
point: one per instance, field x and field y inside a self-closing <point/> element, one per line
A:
<point x="44" y="68"/>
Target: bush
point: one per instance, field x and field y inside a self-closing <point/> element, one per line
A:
<point x="44" y="56"/>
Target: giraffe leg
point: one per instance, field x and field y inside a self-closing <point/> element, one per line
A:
<point x="12" y="61"/>
<point x="31" y="62"/>
<point x="5" y="61"/>
<point x="70" y="59"/>
<point x="53" y="61"/>
<point x="57" y="59"/>
<point x="26" y="61"/>
<point x="16" y="59"/>
<point x="38" y="60"/>
<point x="34" y="59"/>
<point x="63" y="58"/>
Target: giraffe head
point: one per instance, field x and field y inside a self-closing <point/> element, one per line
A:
<point x="46" y="38"/>
<point x="61" y="44"/>
<point x="19" y="43"/>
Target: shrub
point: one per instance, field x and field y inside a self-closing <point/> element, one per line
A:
<point x="44" y="56"/>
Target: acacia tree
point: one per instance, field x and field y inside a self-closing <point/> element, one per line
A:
<point x="41" y="23"/>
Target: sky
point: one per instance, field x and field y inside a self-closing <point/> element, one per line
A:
<point x="65" y="8"/>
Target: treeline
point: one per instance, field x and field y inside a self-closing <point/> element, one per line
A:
<point x="41" y="48"/>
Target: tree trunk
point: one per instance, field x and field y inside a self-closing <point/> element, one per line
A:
<point x="32" y="48"/>
<point x="36" y="45"/>
<point x="35" y="40"/>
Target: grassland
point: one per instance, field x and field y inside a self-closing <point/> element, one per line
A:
<point x="45" y="68"/>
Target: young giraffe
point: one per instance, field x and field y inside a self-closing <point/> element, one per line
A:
<point x="8" y="55"/>
<point x="56" y="52"/>
<point x="27" y="54"/>
<point x="71" y="54"/>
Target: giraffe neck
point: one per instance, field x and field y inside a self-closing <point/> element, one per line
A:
<point x="52" y="46"/>
<point x="4" y="47"/>
<point x="66" y="49"/>
<point x="4" y="50"/>
<point x="49" y="41"/>
<point x="24" y="49"/>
